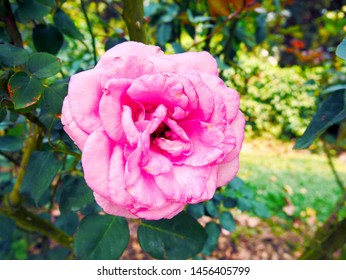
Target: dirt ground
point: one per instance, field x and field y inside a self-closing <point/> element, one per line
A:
<point x="253" y="240"/>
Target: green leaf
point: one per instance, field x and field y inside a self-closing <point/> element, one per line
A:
<point x="34" y="9"/>
<point x="244" y="204"/>
<point x="236" y="184"/>
<point x="341" y="50"/>
<point x="68" y="222"/>
<point x="43" y="65"/>
<point x="7" y="228"/>
<point x="260" y="209"/>
<point x="41" y="169"/>
<point x="196" y="210"/>
<point x="213" y="230"/>
<point x="163" y="33"/>
<point x="101" y="237"/>
<point x="212" y="209"/>
<point x="171" y="13"/>
<point x="331" y="111"/>
<point x="24" y="90"/>
<point x="3" y="114"/>
<point x="66" y="25"/>
<point x="111" y="42"/>
<point x="12" y="56"/>
<point x="47" y="38"/>
<point x="10" y="143"/>
<point x="75" y="195"/>
<point x="179" y="238"/>
<point x="53" y="97"/>
<point x="227" y="221"/>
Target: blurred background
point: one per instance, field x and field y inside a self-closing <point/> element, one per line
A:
<point x="280" y="55"/>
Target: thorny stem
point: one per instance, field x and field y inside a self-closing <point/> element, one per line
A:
<point x="10" y="23"/>
<point x="133" y="14"/>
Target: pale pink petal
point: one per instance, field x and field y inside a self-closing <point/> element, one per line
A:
<point x="143" y="188"/>
<point x="117" y="187"/>
<point x="95" y="161"/>
<point x="126" y="49"/>
<point x="71" y="128"/>
<point x="205" y="97"/>
<point x="166" y="211"/>
<point x="183" y="184"/>
<point x="230" y="96"/>
<point x="111" y="108"/>
<point x="228" y="169"/>
<point x="154" y="90"/>
<point x="110" y="208"/>
<point x="157" y="164"/>
<point x="205" y="143"/>
<point x="198" y="61"/>
<point x="128" y="125"/>
<point x="127" y="67"/>
<point x="173" y="147"/>
<point x="84" y="94"/>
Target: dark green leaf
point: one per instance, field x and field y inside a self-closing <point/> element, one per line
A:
<point x="68" y="222"/>
<point x="213" y="230"/>
<point x="12" y="56"/>
<point x="101" y="237"/>
<point x="227" y="221"/>
<point x="260" y="210"/>
<point x="111" y="42"/>
<point x="244" y="204"/>
<point x="40" y="171"/>
<point x="66" y="25"/>
<point x="177" y="47"/>
<point x="211" y="208"/>
<point x="10" y="143"/>
<point x="3" y="114"/>
<point x="58" y="254"/>
<point x="43" y="65"/>
<point x="75" y="195"/>
<point x="261" y="28"/>
<point x="7" y="228"/>
<point x="331" y="111"/>
<point x="24" y="90"/>
<point x="163" y="33"/>
<point x="236" y="184"/>
<point x="229" y="202"/>
<point x="34" y="9"/>
<point x="53" y="97"/>
<point x="47" y="38"/>
<point x="341" y="50"/>
<point x="196" y="210"/>
<point x="179" y="238"/>
<point x="171" y="12"/>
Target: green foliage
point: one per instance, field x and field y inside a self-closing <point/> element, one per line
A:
<point x="101" y="237"/>
<point x="181" y="237"/>
<point x="41" y="169"/>
<point x="43" y="65"/>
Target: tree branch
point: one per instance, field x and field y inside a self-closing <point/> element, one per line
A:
<point x="10" y="23"/>
<point x="133" y="15"/>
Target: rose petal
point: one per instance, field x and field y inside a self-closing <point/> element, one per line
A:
<point x="178" y="185"/>
<point x="110" y="208"/>
<point x="129" y="127"/>
<point x="230" y="96"/>
<point x="198" y="61"/>
<point x="71" y="128"/>
<point x="228" y="169"/>
<point x="158" y="89"/>
<point x="95" y="161"/>
<point x="166" y="211"/>
<point x="111" y="108"/>
<point x="126" y="49"/>
<point x="117" y="187"/>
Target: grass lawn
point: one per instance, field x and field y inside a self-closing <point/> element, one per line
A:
<point x="291" y="183"/>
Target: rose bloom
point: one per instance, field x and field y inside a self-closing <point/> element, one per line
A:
<point x="156" y="131"/>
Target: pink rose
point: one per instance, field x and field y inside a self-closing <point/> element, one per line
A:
<point x="156" y="131"/>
